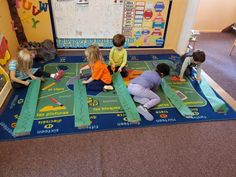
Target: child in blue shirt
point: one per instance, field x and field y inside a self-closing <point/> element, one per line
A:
<point x="142" y="89"/>
<point x="21" y="70"/>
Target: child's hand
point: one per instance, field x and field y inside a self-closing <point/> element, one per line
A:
<point x="26" y="83"/>
<point x="80" y="72"/>
<point x="182" y="80"/>
<point x="33" y="77"/>
<point x="199" y="79"/>
<point x="84" y="82"/>
<point x="119" y="70"/>
<point x="113" y="67"/>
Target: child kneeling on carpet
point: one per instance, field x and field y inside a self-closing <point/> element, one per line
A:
<point x="22" y="71"/>
<point x="118" y="56"/>
<point x="142" y="89"/>
<point x="196" y="60"/>
<point x="100" y="79"/>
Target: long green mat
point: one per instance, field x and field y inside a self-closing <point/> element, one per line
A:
<point x="126" y="101"/>
<point x="216" y="103"/>
<point x="25" y="121"/>
<point x="81" y="110"/>
<point x="175" y="100"/>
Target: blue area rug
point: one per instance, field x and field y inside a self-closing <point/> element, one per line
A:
<point x="110" y="121"/>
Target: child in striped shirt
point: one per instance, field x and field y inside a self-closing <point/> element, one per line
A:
<point x="22" y="71"/>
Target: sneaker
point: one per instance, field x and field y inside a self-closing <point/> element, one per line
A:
<point x="59" y="74"/>
<point x="108" y="88"/>
<point x="145" y="113"/>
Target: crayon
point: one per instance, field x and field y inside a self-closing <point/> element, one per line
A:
<point x="55" y="101"/>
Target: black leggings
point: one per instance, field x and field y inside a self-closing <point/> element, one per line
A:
<point x="38" y="73"/>
<point x="124" y="72"/>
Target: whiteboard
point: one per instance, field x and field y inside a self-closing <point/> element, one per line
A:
<point x="87" y="18"/>
<point x="81" y="23"/>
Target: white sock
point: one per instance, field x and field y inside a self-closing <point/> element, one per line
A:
<point x="52" y="75"/>
<point x="146" y="114"/>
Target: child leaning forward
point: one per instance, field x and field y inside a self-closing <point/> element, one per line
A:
<point x="22" y="71"/>
<point x="100" y="79"/>
<point x="143" y="89"/>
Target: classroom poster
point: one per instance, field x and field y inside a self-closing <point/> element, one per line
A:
<point x="80" y="23"/>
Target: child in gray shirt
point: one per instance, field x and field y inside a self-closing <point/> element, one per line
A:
<point x="195" y="61"/>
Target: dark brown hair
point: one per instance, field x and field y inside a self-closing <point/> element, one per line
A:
<point x="163" y="69"/>
<point x="118" y="40"/>
<point x="199" y="56"/>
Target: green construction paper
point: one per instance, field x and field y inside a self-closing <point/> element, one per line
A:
<point x="25" y="121"/>
<point x="175" y="100"/>
<point x="126" y="101"/>
<point x="81" y="110"/>
<point x="216" y="103"/>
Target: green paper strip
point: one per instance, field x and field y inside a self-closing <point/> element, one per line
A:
<point x="175" y="100"/>
<point x="81" y="110"/>
<point x="126" y="101"/>
<point x="25" y="121"/>
<point x="217" y="104"/>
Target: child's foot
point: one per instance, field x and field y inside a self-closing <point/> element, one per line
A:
<point x="145" y="113"/>
<point x="59" y="74"/>
<point x="108" y="88"/>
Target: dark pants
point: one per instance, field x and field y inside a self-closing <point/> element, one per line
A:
<point x="95" y="85"/>
<point x="39" y="73"/>
<point x="124" y="72"/>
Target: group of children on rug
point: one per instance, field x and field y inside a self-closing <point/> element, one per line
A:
<point x="143" y="88"/>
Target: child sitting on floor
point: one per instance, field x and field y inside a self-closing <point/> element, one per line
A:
<point x="101" y="78"/>
<point x="142" y="89"/>
<point x="118" y="56"/>
<point x="189" y="62"/>
<point x="22" y="71"/>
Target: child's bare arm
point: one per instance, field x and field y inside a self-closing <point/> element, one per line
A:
<point x="31" y="75"/>
<point x="88" y="81"/>
<point x="84" y="68"/>
<point x="14" y="79"/>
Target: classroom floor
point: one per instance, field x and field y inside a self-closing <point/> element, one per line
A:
<point x="186" y="150"/>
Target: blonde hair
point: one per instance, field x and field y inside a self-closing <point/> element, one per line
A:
<point x="24" y="60"/>
<point x="93" y="54"/>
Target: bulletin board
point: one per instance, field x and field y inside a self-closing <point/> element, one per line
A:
<point x="81" y="23"/>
